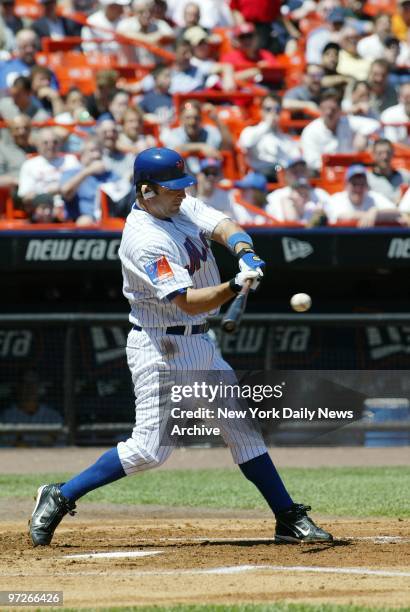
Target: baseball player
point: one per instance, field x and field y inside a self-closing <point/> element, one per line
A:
<point x="172" y="283"/>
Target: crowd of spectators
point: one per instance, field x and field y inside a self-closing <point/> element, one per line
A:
<point x="280" y="84"/>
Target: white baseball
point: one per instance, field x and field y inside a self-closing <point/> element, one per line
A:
<point x="301" y="302"/>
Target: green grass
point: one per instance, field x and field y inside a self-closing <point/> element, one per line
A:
<point x="273" y="607"/>
<point x="373" y="491"/>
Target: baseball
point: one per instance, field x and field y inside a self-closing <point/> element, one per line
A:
<point x="301" y="302"/>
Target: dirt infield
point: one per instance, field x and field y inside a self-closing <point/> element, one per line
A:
<point x="195" y="555"/>
<point x="208" y="559"/>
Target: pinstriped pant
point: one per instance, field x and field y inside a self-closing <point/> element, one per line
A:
<point x="153" y="359"/>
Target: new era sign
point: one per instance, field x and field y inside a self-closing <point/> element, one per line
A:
<point x="295" y="249"/>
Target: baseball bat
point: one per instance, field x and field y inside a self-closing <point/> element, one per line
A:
<point x="233" y="315"/>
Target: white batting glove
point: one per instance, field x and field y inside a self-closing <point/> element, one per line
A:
<point x="245" y="275"/>
<point x="243" y="266"/>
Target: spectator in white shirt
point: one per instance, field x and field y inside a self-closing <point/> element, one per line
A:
<point x="102" y="24"/>
<point x="334" y="133"/>
<point x="334" y="17"/>
<point x="214" y="13"/>
<point x="266" y="146"/>
<point x="383" y="178"/>
<point x="404" y="205"/>
<point x="372" y="47"/>
<point x="39" y="181"/>
<point x="298" y="201"/>
<point x="144" y="28"/>
<point x="358" y="203"/>
<point x="400" y="113"/>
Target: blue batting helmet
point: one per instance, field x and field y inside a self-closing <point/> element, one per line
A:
<point x="163" y="167"/>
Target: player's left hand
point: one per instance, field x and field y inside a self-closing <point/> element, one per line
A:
<point x="249" y="260"/>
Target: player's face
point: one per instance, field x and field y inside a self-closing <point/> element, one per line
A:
<point x="166" y="202"/>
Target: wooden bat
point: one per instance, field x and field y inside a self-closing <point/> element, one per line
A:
<point x="233" y="315"/>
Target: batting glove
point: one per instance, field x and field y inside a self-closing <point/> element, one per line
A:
<point x="249" y="260"/>
<point x="238" y="282"/>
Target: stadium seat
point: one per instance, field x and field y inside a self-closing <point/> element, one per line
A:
<point x="334" y="168"/>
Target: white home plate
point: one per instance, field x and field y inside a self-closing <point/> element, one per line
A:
<point x="115" y="555"/>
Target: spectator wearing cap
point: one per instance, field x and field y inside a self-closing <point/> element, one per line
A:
<point x="39" y="180"/>
<point x="249" y="209"/>
<point x="132" y="138"/>
<point x="101" y="25"/>
<point x="10" y="19"/>
<point x="265" y="145"/>
<point x="195" y="138"/>
<point x="298" y="201"/>
<point x="350" y="62"/>
<point x="208" y="190"/>
<point x="21" y="101"/>
<point x="401" y="20"/>
<point x="331" y="77"/>
<point x="356" y="202"/>
<point x="333" y="21"/>
<point x="99" y="101"/>
<point x="213" y="13"/>
<point x="218" y="72"/>
<point x="246" y="52"/>
<point x="143" y="27"/>
<point x="306" y="96"/>
<point x="262" y="13"/>
<point x="14" y="150"/>
<point x="53" y="26"/>
<point x="27" y="45"/>
<point x="396" y="114"/>
<point x="158" y="104"/>
<point x="334" y="133"/>
<point x="372" y="47"/>
<point x="383" y="178"/>
<point x="80" y="186"/>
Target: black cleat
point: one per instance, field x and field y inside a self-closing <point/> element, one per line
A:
<point x="294" y="525"/>
<point x="51" y="506"/>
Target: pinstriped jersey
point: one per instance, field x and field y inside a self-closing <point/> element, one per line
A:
<point x="162" y="257"/>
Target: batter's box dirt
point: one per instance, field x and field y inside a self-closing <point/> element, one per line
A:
<point x="209" y="560"/>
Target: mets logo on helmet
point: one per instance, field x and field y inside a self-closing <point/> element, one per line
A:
<point x="180" y="164"/>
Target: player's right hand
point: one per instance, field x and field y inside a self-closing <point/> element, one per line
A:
<point x="245" y="275"/>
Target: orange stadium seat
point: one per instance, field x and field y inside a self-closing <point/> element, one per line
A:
<point x="82" y="77"/>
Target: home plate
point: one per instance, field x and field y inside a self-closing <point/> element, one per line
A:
<point x="115" y="555"/>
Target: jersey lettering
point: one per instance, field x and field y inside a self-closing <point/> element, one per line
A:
<point x="196" y="255"/>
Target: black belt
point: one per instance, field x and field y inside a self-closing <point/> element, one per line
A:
<point x="179" y="330"/>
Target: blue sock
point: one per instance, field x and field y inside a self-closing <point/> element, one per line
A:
<point x="264" y="476"/>
<point x="106" y="469"/>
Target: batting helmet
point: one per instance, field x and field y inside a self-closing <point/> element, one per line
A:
<point x="163" y="167"/>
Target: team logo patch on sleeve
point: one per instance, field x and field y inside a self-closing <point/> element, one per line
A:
<point x="159" y="270"/>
